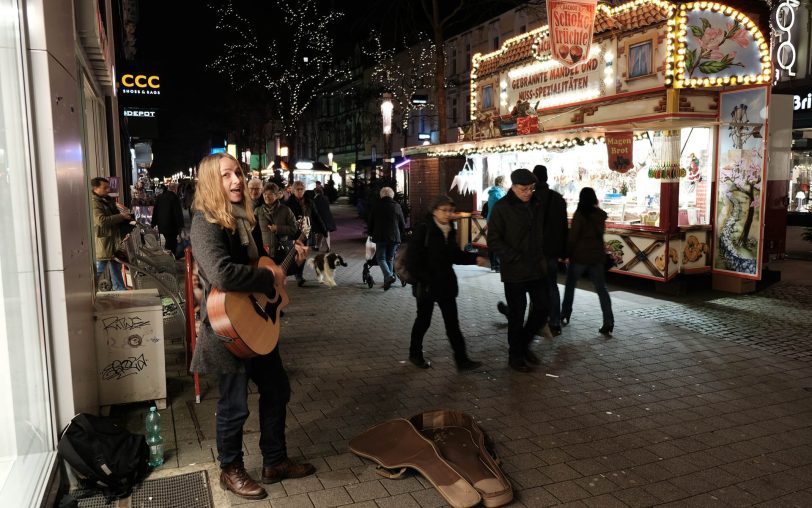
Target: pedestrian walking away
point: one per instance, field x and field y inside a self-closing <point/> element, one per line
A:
<point x="516" y="233"/>
<point x="555" y="241"/>
<point x="495" y="193"/>
<point x="387" y="226"/>
<point x="225" y="249"/>
<point x="168" y="216"/>
<point x="433" y="250"/>
<point x="587" y="253"/>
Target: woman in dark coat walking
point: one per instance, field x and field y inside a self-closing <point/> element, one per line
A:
<point x="433" y="251"/>
<point x="323" y="208"/>
<point x="587" y="254"/>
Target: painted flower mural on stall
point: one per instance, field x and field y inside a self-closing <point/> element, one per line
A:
<point x="716" y="47"/>
<point x="740" y="182"/>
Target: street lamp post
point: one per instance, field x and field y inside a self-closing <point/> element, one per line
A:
<point x="386" y="117"/>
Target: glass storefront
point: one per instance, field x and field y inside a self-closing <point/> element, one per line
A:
<point x="631" y="198"/>
<point x="799" y="182"/>
<point x="26" y="428"/>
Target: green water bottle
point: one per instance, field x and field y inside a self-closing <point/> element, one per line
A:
<point x="154" y="439"/>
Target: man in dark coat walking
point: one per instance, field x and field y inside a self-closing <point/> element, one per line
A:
<point x="555" y="240"/>
<point x="387" y="227"/>
<point x="168" y="216"/>
<point x="433" y="252"/>
<point x="516" y="234"/>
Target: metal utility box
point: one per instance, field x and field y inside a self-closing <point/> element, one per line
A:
<point x="130" y="348"/>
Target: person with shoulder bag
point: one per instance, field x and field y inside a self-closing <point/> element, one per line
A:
<point x="432" y="253"/>
<point x="587" y="253"/>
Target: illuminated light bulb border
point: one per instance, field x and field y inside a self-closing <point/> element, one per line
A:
<point x="676" y="49"/>
<point x="469" y="149"/>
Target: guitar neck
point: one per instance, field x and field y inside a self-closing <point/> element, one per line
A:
<point x="291" y="255"/>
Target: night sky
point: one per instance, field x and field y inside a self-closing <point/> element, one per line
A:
<point x="178" y="40"/>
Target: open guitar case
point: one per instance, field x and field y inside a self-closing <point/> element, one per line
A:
<point x="447" y="447"/>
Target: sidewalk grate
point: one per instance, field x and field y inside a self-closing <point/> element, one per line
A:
<point x="189" y="490"/>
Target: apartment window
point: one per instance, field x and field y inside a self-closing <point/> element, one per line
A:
<point x="26" y="433"/>
<point x="467" y="60"/>
<point x="494" y="35"/>
<point x="453" y="60"/>
<point x="453" y="115"/>
<point x="522" y="29"/>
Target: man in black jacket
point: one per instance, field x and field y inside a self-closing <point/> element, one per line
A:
<point x="555" y="241"/>
<point x="168" y="216"/>
<point x="515" y="233"/>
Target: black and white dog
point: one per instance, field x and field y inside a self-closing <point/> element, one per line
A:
<point x="325" y="265"/>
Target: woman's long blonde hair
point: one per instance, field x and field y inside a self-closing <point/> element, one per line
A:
<point x="211" y="198"/>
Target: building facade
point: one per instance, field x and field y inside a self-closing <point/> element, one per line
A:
<point x="58" y="108"/>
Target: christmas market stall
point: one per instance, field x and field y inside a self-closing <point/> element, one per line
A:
<point x="661" y="108"/>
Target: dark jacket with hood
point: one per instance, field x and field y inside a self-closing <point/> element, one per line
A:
<point x="516" y="234"/>
<point x="431" y="259"/>
<point x="555" y="222"/>
<point x="586" y="237"/>
<point x="306" y="208"/>
<point x="386" y="222"/>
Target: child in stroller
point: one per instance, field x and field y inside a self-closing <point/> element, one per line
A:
<point x="371" y="261"/>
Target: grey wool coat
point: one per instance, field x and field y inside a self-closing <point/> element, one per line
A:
<point x="223" y="263"/>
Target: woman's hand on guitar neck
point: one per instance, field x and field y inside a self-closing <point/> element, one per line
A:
<point x="301" y="252"/>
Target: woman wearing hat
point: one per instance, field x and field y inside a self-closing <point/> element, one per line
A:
<point x="432" y="252"/>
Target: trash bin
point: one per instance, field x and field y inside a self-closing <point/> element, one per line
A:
<point x="130" y="348"/>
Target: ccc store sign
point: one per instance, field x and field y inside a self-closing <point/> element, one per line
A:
<point x="141" y="84"/>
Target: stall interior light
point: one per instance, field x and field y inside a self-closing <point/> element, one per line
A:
<point x="304" y="165"/>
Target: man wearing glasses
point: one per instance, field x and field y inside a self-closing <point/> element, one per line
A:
<point x="515" y="233"/>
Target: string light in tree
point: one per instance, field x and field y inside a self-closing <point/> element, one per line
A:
<point x="294" y="77"/>
<point x="404" y="73"/>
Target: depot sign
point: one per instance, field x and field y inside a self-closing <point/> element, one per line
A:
<point x="139" y="113"/>
<point x="140" y="84"/>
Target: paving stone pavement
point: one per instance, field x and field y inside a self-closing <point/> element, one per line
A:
<point x="674" y="410"/>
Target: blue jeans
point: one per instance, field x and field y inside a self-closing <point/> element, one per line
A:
<point x="385" y="254"/>
<point x="271" y="379"/>
<point x="115" y="273"/>
<point x="597" y="273"/>
<point x="555" y="298"/>
<point x="520" y="334"/>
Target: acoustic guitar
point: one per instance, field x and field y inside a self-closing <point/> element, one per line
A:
<point x="250" y="319"/>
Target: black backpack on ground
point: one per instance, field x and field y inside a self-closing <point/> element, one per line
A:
<point x="104" y="456"/>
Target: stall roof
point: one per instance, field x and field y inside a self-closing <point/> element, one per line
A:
<point x="521" y="48"/>
<point x="561" y="138"/>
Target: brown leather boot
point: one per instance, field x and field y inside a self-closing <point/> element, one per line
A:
<point x="235" y="478"/>
<point x="286" y="469"/>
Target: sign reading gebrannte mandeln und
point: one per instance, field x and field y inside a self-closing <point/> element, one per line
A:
<point x="571" y="24"/>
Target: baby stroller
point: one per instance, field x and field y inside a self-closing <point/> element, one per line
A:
<point x="371" y="261"/>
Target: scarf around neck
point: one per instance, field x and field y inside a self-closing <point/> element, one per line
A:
<point x="244" y="230"/>
<point x="445" y="228"/>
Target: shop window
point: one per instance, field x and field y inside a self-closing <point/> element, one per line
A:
<point x="695" y="186"/>
<point x="26" y="434"/>
<point x="640" y="57"/>
<point x="487" y="97"/>
<point x="799" y="182"/>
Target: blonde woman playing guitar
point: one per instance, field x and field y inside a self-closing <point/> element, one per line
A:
<point x="227" y="256"/>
